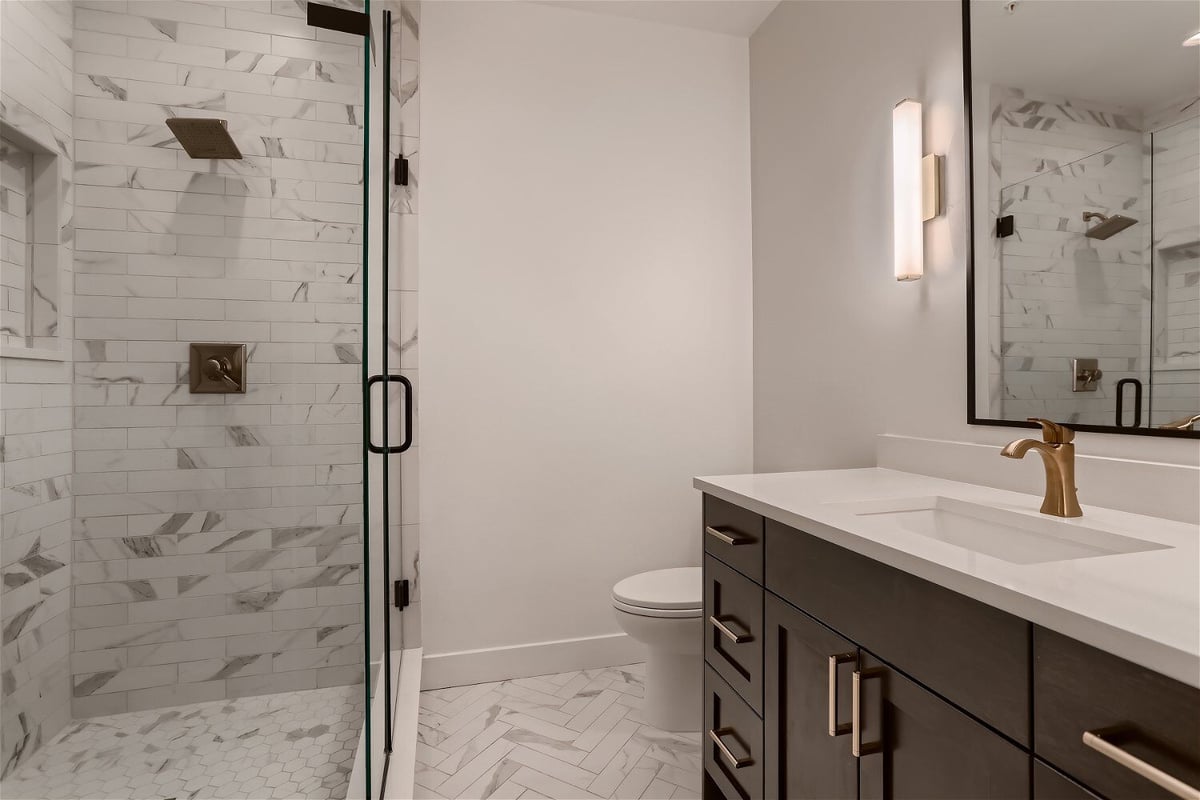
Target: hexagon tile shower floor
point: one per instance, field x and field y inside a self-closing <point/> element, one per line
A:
<point x="292" y="744"/>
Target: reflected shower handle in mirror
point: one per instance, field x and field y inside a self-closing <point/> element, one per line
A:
<point x="1137" y="403"/>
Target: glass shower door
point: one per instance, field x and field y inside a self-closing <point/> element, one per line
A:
<point x="388" y="392"/>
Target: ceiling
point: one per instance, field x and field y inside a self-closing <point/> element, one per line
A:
<point x="1117" y="52"/>
<point x="733" y="17"/>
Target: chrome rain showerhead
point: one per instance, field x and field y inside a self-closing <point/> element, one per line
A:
<point x="204" y="138"/>
<point x="1108" y="225"/>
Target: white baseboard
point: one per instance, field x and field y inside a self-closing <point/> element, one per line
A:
<point x="527" y="660"/>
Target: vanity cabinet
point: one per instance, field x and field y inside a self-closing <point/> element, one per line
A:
<point x="955" y="698"/>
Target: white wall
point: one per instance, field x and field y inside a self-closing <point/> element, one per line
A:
<point x="585" y="310"/>
<point x="842" y="351"/>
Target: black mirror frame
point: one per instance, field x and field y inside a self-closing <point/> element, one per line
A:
<point x="973" y="417"/>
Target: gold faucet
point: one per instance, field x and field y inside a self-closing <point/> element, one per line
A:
<point x="1058" y="454"/>
<point x="1184" y="424"/>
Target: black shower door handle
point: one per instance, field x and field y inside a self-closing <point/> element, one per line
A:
<point x="408" y="406"/>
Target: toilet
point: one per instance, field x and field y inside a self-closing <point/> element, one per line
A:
<point x="662" y="610"/>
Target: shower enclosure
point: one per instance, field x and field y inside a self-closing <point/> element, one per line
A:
<point x="198" y="588"/>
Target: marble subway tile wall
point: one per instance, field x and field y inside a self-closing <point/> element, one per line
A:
<point x="36" y="503"/>
<point x="217" y="539"/>
<point x="1064" y="295"/>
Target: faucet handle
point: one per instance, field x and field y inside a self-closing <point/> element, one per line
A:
<point x="1052" y="432"/>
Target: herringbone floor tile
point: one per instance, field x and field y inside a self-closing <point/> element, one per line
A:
<point x="569" y="736"/>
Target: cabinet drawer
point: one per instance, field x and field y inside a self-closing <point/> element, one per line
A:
<point x="1077" y="688"/>
<point x="975" y="656"/>
<point x="735" y="536"/>
<point x="732" y="740"/>
<point x="733" y="628"/>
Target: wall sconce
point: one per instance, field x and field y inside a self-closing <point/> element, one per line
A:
<point x="916" y="190"/>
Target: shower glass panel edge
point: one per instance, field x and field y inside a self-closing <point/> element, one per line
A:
<point x="381" y="432"/>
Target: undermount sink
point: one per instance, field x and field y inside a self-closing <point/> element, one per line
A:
<point x="1008" y="535"/>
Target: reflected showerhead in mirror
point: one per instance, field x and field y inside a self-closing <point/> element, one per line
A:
<point x="1108" y="226"/>
<point x="204" y="137"/>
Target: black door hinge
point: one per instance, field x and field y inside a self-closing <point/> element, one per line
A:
<point x="401" y="171"/>
<point x="1004" y="226"/>
<point x="401" y="594"/>
<point x="344" y="20"/>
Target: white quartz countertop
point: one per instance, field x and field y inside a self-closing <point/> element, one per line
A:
<point x="1143" y="607"/>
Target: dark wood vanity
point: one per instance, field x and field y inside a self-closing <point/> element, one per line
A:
<point x="829" y="676"/>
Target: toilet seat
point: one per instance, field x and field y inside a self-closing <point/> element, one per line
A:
<point x="664" y="593"/>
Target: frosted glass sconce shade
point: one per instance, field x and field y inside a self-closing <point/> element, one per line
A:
<point x="916" y="190"/>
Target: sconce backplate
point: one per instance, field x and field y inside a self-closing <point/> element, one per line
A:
<point x="217" y="368"/>
<point x="933" y="204"/>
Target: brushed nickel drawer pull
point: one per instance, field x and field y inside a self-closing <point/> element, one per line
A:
<point x="836" y="728"/>
<point x="736" y="638"/>
<point x="735" y="762"/>
<point x="729" y="539"/>
<point x="858" y="747"/>
<point x="1096" y="741"/>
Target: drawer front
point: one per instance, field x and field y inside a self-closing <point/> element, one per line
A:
<point x="734" y="535"/>
<point x="733" y="630"/>
<point x="732" y="740"/>
<point x="1050" y="784"/>
<point x="1077" y="688"/>
<point x="975" y="656"/>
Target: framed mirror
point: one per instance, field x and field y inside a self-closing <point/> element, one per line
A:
<point x="1084" y="283"/>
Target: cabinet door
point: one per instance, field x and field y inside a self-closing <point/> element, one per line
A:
<point x="917" y="746"/>
<point x="802" y="760"/>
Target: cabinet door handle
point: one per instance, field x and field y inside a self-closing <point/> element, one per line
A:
<point x="717" y="736"/>
<point x="732" y="540"/>
<point x="1096" y="741"/>
<point x="858" y="747"/>
<point x="728" y="633"/>
<point x="836" y="728"/>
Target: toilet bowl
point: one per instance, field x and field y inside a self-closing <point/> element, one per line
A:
<point x="662" y="610"/>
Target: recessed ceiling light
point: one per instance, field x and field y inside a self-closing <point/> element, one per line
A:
<point x="1193" y="40"/>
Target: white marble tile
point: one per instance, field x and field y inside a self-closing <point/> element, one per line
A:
<point x="496" y="740"/>
<point x="226" y="749"/>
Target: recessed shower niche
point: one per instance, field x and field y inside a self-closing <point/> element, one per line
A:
<point x="30" y="181"/>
